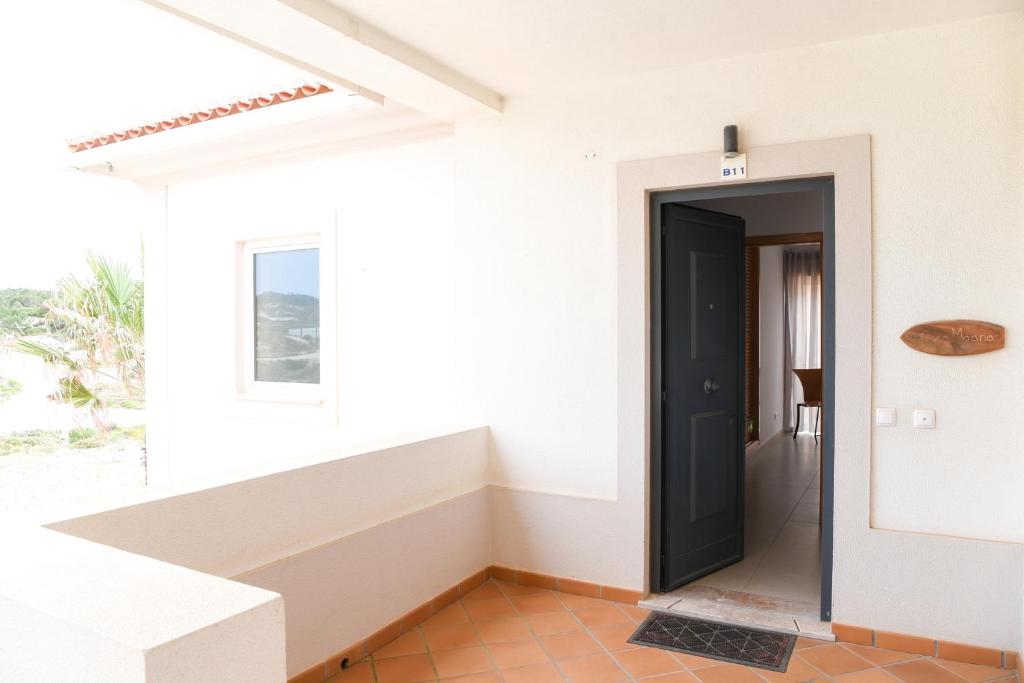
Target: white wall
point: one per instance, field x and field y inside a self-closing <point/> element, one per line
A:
<point x="537" y="240"/>
<point x="771" y="342"/>
<point x="536" y="340"/>
<point x="395" y="292"/>
<point x="534" y="277"/>
<point x="351" y="541"/>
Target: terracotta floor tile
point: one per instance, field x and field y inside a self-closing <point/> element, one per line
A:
<point x="514" y="590"/>
<point x="452" y="637"/>
<point x="695" y="662"/>
<point x="727" y="673"/>
<point x="833" y="660"/>
<point x="361" y="672"/>
<point x="646" y="661"/>
<point x="922" y="671"/>
<point x="677" y="677"/>
<point x="578" y="602"/>
<point x="537" y="604"/>
<point x="975" y="673"/>
<point x="615" y="636"/>
<point x="548" y="623"/>
<point x="569" y="645"/>
<point x="637" y="614"/>
<point x="880" y="656"/>
<point x="592" y="669"/>
<point x="468" y="660"/>
<point x="603" y="615"/>
<point x="486" y="677"/>
<point x="803" y="643"/>
<point x="535" y="673"/>
<point x="798" y="670"/>
<point x="410" y="643"/>
<point x="516" y="655"/>
<point x="411" y="669"/>
<point x="452" y="614"/>
<point x="488" y="591"/>
<point x="504" y="630"/>
<point x="868" y="676"/>
<point x="488" y="610"/>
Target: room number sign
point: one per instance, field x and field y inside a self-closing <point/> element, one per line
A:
<point x="734" y="168"/>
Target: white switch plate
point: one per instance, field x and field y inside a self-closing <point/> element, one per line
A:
<point x="885" y="417"/>
<point x="924" y="419"/>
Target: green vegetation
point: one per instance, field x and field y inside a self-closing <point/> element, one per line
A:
<point x="34" y="441"/>
<point x="95" y="340"/>
<point x="23" y="312"/>
<point x="42" y="442"/>
<point x="8" y="387"/>
<point x="89" y="438"/>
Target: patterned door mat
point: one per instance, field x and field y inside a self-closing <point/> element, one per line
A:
<point x="727" y="643"/>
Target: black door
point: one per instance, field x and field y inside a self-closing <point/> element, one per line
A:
<point x="702" y="431"/>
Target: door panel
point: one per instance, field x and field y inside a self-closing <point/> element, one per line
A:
<point x="711" y="327"/>
<point x="712" y="476"/>
<point x="702" y="432"/>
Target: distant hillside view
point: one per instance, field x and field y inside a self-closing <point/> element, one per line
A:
<point x="287" y="338"/>
<point x="23" y="311"/>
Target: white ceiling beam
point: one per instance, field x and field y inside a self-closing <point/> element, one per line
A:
<point x="334" y="45"/>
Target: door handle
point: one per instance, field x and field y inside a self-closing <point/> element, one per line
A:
<point x="710" y="386"/>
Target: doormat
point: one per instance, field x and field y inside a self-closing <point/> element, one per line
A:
<point x="724" y="642"/>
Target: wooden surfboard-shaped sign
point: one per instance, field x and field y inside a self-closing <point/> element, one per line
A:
<point x="955" y="337"/>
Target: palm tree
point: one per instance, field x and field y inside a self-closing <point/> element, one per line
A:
<point x="96" y="339"/>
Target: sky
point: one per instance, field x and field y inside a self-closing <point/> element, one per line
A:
<point x="295" y="271"/>
<point x="74" y="68"/>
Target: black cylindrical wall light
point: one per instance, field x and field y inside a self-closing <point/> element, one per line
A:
<point x="732" y="147"/>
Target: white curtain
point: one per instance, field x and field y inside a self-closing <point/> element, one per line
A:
<point x="801" y="273"/>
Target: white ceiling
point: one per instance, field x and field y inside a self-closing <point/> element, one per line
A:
<point x="521" y="46"/>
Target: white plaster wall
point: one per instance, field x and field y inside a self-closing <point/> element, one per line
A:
<point x="533" y="334"/>
<point x="341" y="592"/>
<point x="771" y="341"/>
<point x="536" y="239"/>
<point x="350" y="542"/>
<point x="231" y="528"/>
<point x="395" y="292"/>
<point x="539" y="355"/>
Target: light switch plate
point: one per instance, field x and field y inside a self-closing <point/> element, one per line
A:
<point x="885" y="417"/>
<point x="924" y="419"/>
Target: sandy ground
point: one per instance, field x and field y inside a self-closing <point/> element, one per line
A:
<point x="32" y="483"/>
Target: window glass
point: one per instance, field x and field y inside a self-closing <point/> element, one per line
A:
<point x="287" y="315"/>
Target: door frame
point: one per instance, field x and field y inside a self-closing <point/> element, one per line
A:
<point x="752" y="338"/>
<point x="826" y="185"/>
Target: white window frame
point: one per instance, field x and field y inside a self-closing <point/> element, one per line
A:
<point x="248" y="388"/>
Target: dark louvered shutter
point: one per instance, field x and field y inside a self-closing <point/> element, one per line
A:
<point x="750" y="352"/>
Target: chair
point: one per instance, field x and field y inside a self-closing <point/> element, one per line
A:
<point x="810" y="380"/>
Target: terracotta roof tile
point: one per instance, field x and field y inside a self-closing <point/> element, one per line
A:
<point x="237" y="107"/>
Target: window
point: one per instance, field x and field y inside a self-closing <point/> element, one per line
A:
<point x="285" y="320"/>
<point x="286" y="314"/>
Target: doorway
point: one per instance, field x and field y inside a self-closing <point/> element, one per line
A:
<point x="704" y="388"/>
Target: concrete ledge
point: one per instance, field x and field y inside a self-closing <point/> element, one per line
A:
<point x="72" y="610"/>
